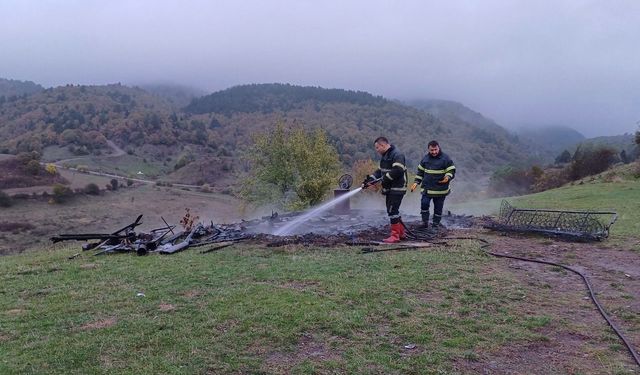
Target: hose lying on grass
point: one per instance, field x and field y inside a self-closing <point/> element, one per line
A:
<point x="427" y="235"/>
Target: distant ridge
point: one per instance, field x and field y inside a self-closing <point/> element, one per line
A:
<point x="270" y="97"/>
<point x="12" y="88"/>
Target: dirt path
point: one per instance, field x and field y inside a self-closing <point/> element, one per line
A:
<point x="117" y="151"/>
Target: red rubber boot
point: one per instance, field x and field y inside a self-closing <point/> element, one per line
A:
<point x="402" y="235"/>
<point x="395" y="234"/>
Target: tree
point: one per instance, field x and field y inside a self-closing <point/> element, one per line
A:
<point x="92" y="189"/>
<point x="317" y="166"/>
<point x="61" y="193"/>
<point x="5" y="199"/>
<point x="623" y="157"/>
<point x="564" y="157"/>
<point x="33" y="167"/>
<point x="51" y="169"/>
<point x="293" y="168"/>
<point x="587" y="161"/>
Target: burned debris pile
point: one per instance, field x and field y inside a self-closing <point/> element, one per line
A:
<point x="354" y="229"/>
<point x="165" y="240"/>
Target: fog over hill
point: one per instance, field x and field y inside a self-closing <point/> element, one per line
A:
<point x="539" y="62"/>
<point x="549" y="141"/>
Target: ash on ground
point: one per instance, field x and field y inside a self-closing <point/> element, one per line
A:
<point x="330" y="229"/>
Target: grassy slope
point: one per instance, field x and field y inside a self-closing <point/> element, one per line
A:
<point x="591" y="194"/>
<point x="248" y="309"/>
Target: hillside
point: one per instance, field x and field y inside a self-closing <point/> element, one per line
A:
<point x="178" y="95"/>
<point x="214" y="130"/>
<point x="455" y="112"/>
<point x="15" y="173"/>
<point x="269" y="98"/>
<point x="83" y="118"/>
<point x="548" y="142"/>
<point x="352" y="120"/>
<point x="10" y="89"/>
<point x="619" y="143"/>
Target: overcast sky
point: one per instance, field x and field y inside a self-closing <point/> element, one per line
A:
<point x="574" y="63"/>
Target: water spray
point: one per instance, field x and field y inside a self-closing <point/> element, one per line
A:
<point x="345" y="182"/>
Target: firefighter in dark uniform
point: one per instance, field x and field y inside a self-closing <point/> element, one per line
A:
<point x="435" y="171"/>
<point x="393" y="177"/>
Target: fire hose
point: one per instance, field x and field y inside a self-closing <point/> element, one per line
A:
<point x="420" y="235"/>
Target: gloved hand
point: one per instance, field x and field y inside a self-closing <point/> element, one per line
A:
<point x="367" y="181"/>
<point x="413" y="186"/>
<point x="444" y="180"/>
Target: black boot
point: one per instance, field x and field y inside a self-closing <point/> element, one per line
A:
<point x="436" y="221"/>
<point x="425" y="221"/>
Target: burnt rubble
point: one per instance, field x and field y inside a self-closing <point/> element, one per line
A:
<point x="357" y="227"/>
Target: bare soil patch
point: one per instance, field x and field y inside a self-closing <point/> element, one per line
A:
<point x="309" y="348"/>
<point x="166" y="307"/>
<point x="99" y="324"/>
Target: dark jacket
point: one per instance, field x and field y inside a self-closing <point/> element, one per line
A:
<point x="393" y="172"/>
<point x="433" y="169"/>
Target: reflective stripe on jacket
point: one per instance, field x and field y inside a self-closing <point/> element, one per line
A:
<point x="393" y="172"/>
<point x="433" y="169"/>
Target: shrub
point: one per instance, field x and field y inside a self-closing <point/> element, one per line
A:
<point x="514" y="181"/>
<point x="51" y="169"/>
<point x="92" y="189"/>
<point x="25" y="157"/>
<point x="5" y="199"/>
<point x="61" y="193"/>
<point x="205" y="188"/>
<point x="588" y="162"/>
<point x="551" y="179"/>
<point x="114" y="184"/>
<point x="33" y="167"/>
<point x="636" y="170"/>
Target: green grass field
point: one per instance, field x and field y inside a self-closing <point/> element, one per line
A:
<point x="248" y="309"/>
<point x="301" y="310"/>
<point x="622" y="197"/>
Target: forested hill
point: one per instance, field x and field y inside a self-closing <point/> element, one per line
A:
<point x="354" y="119"/>
<point x="82" y="118"/>
<point x="268" y="98"/>
<point x="550" y="140"/>
<point x="454" y="112"/>
<point x="178" y="95"/>
<point x="11" y="89"/>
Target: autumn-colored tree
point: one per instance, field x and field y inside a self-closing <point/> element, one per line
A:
<point x="293" y="168"/>
<point x="361" y="169"/>
<point x="51" y="169"/>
